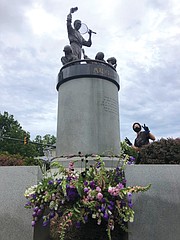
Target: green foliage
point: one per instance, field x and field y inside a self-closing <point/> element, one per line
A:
<point x="12" y="139"/>
<point x="42" y="142"/>
<point x="163" y="151"/>
<point x="29" y="161"/>
<point x="11" y="160"/>
<point x="126" y="149"/>
<point x="7" y="159"/>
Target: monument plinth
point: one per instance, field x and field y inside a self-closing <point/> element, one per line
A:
<point x="88" y="109"/>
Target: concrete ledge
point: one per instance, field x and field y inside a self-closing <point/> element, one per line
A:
<point x="157" y="211"/>
<point x="15" y="220"/>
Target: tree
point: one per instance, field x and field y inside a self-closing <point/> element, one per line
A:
<point x="15" y="140"/>
<point x="12" y="137"/>
<point x="43" y="142"/>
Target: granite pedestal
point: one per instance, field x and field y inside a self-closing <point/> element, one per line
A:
<point x="88" y="110"/>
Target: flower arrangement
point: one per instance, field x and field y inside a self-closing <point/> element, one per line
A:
<point x="77" y="197"/>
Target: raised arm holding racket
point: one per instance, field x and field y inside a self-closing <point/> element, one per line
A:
<point x="74" y="34"/>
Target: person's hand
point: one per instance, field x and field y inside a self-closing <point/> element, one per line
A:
<point x="90" y="32"/>
<point x="128" y="141"/>
<point x="146" y="129"/>
<point x="72" y="10"/>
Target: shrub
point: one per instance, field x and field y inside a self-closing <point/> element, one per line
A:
<point x="7" y="159"/>
<point x="163" y="151"/>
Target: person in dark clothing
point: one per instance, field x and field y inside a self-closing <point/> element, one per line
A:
<point x="141" y="139"/>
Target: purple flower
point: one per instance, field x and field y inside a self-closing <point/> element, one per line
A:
<point x="34" y="214"/>
<point x="39" y="212"/>
<point x="110" y="207"/>
<point x="78" y="224"/>
<point x="103" y="200"/>
<point x="86" y="189"/>
<point x="45" y="223"/>
<point x="52" y="214"/>
<point x="86" y="218"/>
<point x="129" y="194"/>
<point x="28" y="204"/>
<point x="124" y="181"/>
<point x="98" y="165"/>
<point x="33" y="223"/>
<point x="50" y="182"/>
<point x="58" y="181"/>
<point x="36" y="209"/>
<point x="131" y="160"/>
<point x="103" y="209"/>
<point x="106" y="216"/>
<point x="120" y="186"/>
<point x="33" y="196"/>
<point x="129" y="197"/>
<point x="72" y="193"/>
<point x="92" y="185"/>
<point x="85" y="183"/>
<point x="111" y="203"/>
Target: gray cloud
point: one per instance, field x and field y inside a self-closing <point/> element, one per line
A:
<point x="142" y="35"/>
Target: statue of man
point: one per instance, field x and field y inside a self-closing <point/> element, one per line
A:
<point x="75" y="38"/>
<point x="112" y="61"/>
<point x="68" y="55"/>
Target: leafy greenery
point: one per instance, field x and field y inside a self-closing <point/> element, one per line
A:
<point x="7" y="159"/>
<point x="77" y="198"/>
<point x="42" y="142"/>
<point x="12" y="139"/>
<point x="163" y="151"/>
<point x="126" y="149"/>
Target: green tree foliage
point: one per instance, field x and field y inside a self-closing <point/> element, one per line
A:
<point x="163" y="151"/>
<point x="12" y="138"/>
<point x="43" y="142"/>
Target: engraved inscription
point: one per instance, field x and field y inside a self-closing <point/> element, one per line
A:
<point x="103" y="71"/>
<point x="110" y="105"/>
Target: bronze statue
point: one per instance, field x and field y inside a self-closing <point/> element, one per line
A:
<point x="112" y="61"/>
<point x="100" y="56"/>
<point x="69" y="56"/>
<point x="75" y="38"/>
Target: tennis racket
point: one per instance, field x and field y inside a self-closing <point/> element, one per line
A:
<point x="84" y="29"/>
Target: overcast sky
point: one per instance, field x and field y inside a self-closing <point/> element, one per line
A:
<point x="144" y="36"/>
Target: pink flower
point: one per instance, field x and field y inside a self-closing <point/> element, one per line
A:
<point x="98" y="189"/>
<point x="99" y="196"/>
<point x="71" y="165"/>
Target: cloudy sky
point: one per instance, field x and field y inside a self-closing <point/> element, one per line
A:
<point x="144" y="36"/>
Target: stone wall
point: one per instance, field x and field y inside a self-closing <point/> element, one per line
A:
<point x="15" y="220"/>
<point x="157" y="211"/>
